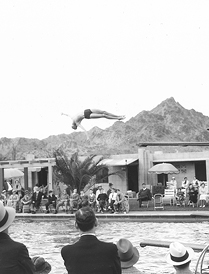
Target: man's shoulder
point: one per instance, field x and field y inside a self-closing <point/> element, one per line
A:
<point x="104" y="245"/>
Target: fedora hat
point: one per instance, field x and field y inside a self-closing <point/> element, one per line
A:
<point x="41" y="266"/>
<point x="7" y="215"/>
<point x="128" y="254"/>
<point x="179" y="254"/>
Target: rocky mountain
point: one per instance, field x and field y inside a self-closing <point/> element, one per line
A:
<point x="169" y="121"/>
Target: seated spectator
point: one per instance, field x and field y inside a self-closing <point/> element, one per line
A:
<point x="92" y="199"/>
<point x="102" y="199"/>
<point x="180" y="197"/>
<point x="3" y="197"/>
<point x="14" y="255"/>
<point x="41" y="266"/>
<point x="43" y="189"/>
<point x="13" y="200"/>
<point x="180" y="257"/>
<point x="129" y="256"/>
<point x="99" y="189"/>
<point x="63" y="201"/>
<point x="203" y="194"/>
<point x="192" y="192"/>
<point x="144" y="195"/>
<point x="112" y="199"/>
<point x="109" y="190"/>
<point x="83" y="199"/>
<point x="36" y="200"/>
<point x="26" y="200"/>
<point x="89" y="255"/>
<point x="118" y="205"/>
<point x="52" y="199"/>
<point x="74" y="200"/>
<point x="126" y="203"/>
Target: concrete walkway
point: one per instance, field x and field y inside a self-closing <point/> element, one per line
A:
<point x="143" y="216"/>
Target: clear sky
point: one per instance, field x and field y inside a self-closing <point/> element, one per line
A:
<point x="120" y="56"/>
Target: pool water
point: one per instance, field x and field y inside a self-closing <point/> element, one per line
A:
<point x="46" y="238"/>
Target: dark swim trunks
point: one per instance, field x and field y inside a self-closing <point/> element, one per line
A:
<point x="87" y="113"/>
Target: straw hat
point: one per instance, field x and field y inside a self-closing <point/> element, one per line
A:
<point x="128" y="254"/>
<point x="179" y="254"/>
<point x="41" y="266"/>
<point x="7" y="215"/>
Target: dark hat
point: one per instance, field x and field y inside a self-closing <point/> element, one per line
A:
<point x="128" y="254"/>
<point x="41" y="266"/>
<point x="7" y="215"/>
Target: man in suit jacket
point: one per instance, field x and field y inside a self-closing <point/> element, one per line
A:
<point x="88" y="254"/>
<point x="36" y="199"/>
<point x="14" y="257"/>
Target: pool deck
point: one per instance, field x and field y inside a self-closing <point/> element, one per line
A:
<point x="142" y="216"/>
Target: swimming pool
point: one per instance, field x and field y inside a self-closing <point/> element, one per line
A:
<point x="46" y="238"/>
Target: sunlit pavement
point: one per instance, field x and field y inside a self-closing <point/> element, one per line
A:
<point x="154" y="215"/>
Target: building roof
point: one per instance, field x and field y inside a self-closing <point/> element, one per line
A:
<point x="118" y="162"/>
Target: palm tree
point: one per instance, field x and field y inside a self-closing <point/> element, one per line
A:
<point x="78" y="173"/>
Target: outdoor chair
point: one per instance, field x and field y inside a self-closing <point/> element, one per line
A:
<point x="145" y="203"/>
<point x="158" y="201"/>
<point x="169" y="197"/>
<point x="26" y="208"/>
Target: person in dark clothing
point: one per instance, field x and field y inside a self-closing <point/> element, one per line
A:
<point x="144" y="195"/>
<point x="193" y="193"/>
<point x="88" y="254"/>
<point x="83" y="199"/>
<point x="103" y="199"/>
<point x="52" y="199"/>
<point x="36" y="199"/>
<point x="109" y="190"/>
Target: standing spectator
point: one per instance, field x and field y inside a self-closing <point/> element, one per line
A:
<point x="63" y="201"/>
<point x="52" y="199"/>
<point x="195" y="181"/>
<point x="103" y="199"/>
<point x="203" y="194"/>
<point x="185" y="183"/>
<point x="9" y="187"/>
<point x="144" y="195"/>
<point x="173" y="184"/>
<point x="129" y="256"/>
<point x="14" y="255"/>
<point x="180" y="257"/>
<point x="92" y="199"/>
<point x="112" y="199"/>
<point x="88" y="254"/>
<point x="36" y="199"/>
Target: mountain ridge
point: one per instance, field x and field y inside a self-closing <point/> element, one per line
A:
<point x="167" y="122"/>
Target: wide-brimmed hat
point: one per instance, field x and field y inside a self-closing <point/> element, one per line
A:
<point x="7" y="215"/>
<point x="179" y="254"/>
<point x="128" y="254"/>
<point x="41" y="266"/>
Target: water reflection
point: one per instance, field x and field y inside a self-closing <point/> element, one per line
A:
<point x="46" y="238"/>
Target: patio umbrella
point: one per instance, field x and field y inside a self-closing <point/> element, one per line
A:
<point x="164" y="168"/>
<point x="12" y="173"/>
